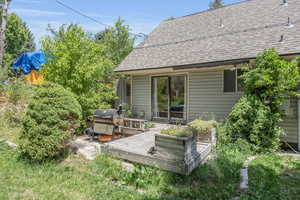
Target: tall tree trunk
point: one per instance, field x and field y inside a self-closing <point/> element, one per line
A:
<point x="2" y="30"/>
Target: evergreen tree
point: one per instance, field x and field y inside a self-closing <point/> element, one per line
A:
<point x="118" y="41"/>
<point x="19" y="38"/>
<point x="216" y="4"/>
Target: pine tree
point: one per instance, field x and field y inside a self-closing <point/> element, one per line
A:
<point x="19" y="38"/>
<point x="216" y="4"/>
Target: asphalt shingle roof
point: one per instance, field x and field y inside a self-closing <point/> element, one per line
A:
<point x="233" y="32"/>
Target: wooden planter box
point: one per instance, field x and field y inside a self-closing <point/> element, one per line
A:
<point x="179" y="153"/>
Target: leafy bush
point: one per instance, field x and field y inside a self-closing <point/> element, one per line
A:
<point x="257" y="115"/>
<point x="79" y="64"/>
<point x="53" y="115"/>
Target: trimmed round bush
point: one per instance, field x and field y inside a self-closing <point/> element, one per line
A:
<point x="52" y="116"/>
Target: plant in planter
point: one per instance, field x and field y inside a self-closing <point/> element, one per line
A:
<point x="179" y="131"/>
<point x="206" y="130"/>
<point x="177" y="145"/>
<point x="149" y="125"/>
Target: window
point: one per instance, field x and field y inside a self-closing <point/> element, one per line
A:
<point x="232" y="82"/>
<point x="128" y="91"/>
<point x="240" y="82"/>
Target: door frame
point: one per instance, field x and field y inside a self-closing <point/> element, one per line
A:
<point x="186" y="93"/>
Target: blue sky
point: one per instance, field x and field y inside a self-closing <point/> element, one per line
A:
<point x="142" y="16"/>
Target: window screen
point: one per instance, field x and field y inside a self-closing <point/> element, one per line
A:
<point x="229" y="80"/>
<point x="239" y="81"/>
<point x="128" y="88"/>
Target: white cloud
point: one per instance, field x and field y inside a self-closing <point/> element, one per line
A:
<point x="36" y="13"/>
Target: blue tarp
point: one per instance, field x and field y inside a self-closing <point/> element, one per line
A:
<point x="30" y="61"/>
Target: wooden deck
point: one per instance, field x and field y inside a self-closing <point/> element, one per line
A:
<point x="136" y="148"/>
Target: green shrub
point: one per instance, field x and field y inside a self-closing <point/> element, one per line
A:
<point x="53" y="115"/>
<point x="251" y="119"/>
<point x="257" y="114"/>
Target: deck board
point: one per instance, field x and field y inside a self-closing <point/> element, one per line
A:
<point x="135" y="149"/>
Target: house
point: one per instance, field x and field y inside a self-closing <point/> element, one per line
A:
<point x="189" y="66"/>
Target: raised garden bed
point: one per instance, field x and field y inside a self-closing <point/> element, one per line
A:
<point x="181" y="151"/>
<point x="179" y="146"/>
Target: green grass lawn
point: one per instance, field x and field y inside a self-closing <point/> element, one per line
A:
<point x="11" y="133"/>
<point x="274" y="177"/>
<point x="271" y="177"/>
<point x="20" y="179"/>
<point x="104" y="178"/>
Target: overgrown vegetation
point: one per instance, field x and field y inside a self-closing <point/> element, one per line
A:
<point x="216" y="179"/>
<point x="53" y="115"/>
<point x="13" y="102"/>
<point x="273" y="177"/>
<point x="79" y="65"/>
<point x="267" y="84"/>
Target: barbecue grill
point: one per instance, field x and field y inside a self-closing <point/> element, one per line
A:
<point x="105" y="123"/>
<point x="110" y="123"/>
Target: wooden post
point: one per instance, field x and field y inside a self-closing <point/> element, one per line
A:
<point x="4" y="9"/>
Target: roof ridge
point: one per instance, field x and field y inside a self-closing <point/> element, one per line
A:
<point x="218" y="35"/>
<point x="210" y="10"/>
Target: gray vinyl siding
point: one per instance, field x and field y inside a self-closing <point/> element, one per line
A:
<point x="206" y="95"/>
<point x="290" y="123"/>
<point x="141" y="96"/>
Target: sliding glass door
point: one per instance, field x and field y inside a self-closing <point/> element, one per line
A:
<point x="169" y="97"/>
<point x="160" y="97"/>
<point x="177" y="97"/>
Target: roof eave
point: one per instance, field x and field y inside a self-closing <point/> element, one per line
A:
<point x="201" y="65"/>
